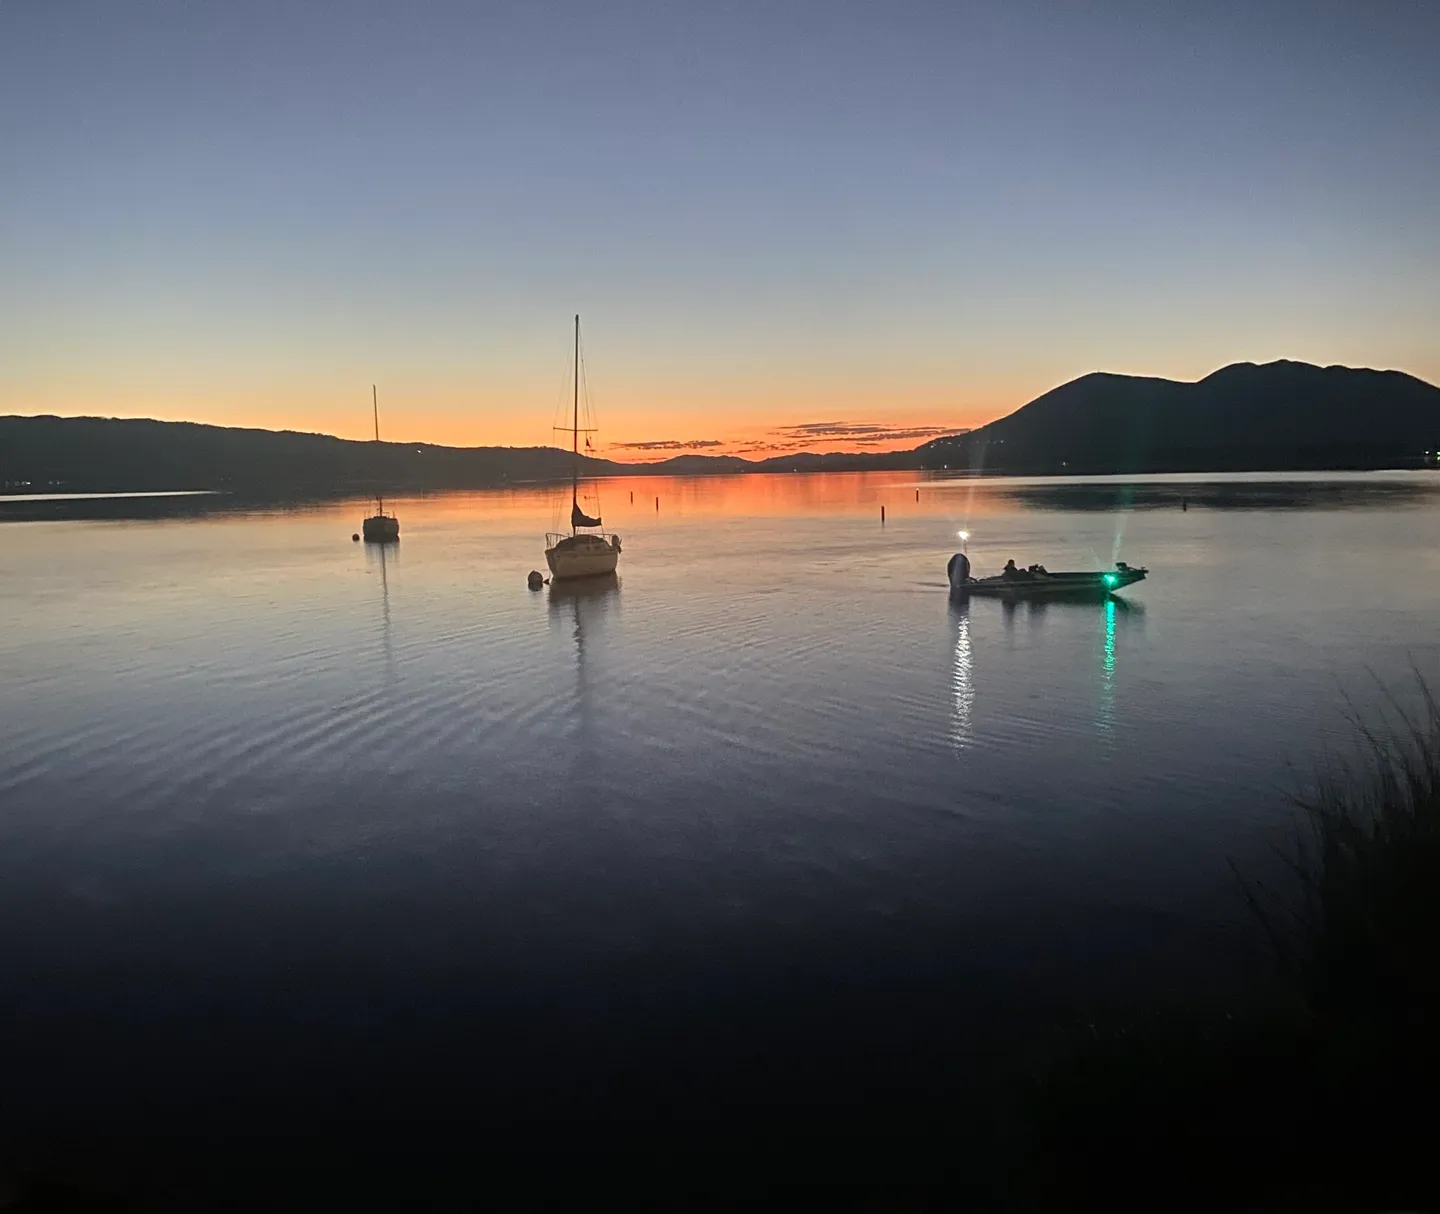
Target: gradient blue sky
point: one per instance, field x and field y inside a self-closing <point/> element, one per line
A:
<point x="772" y="215"/>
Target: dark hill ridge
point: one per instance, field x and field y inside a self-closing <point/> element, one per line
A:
<point x="1242" y="417"/>
<point x="121" y="455"/>
<point x="91" y="454"/>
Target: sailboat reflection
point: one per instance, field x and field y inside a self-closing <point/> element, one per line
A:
<point x="575" y="595"/>
<point x="382" y="554"/>
<point x="586" y="602"/>
<point x="962" y="677"/>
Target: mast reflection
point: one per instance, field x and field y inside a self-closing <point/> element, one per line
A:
<point x="380" y="553"/>
<point x="584" y="602"/>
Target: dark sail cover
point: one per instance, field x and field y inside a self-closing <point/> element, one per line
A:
<point x="578" y="517"/>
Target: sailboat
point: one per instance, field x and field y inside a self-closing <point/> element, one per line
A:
<point x="379" y="528"/>
<point x="587" y="551"/>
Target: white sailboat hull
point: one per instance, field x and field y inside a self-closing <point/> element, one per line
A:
<point x="381" y="529"/>
<point x="582" y="556"/>
<point x="588" y="552"/>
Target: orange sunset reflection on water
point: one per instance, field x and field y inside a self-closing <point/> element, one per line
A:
<point x="695" y="498"/>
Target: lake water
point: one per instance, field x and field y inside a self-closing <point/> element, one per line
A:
<point x="289" y="822"/>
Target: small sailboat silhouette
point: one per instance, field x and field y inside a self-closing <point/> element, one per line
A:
<point x="379" y="528"/>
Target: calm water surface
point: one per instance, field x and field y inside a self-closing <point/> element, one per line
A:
<point x="282" y="810"/>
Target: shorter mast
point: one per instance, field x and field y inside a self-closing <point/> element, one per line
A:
<point x="375" y="407"/>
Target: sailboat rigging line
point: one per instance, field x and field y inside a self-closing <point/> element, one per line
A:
<point x="579" y="382"/>
<point x="578" y="555"/>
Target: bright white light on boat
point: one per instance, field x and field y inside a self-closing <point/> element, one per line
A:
<point x="964" y="535"/>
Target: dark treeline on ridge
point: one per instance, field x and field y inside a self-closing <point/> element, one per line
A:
<point x="1243" y="418"/>
<point x="116" y="455"/>
<point x="1278" y="416"/>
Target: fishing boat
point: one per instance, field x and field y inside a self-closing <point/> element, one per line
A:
<point x="1039" y="582"/>
<point x="587" y="551"/>
<point x="379" y="528"/>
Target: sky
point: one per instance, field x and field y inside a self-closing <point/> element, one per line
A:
<point x="821" y="225"/>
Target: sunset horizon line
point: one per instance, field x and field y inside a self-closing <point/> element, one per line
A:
<point x="451" y="423"/>
<point x="854" y="438"/>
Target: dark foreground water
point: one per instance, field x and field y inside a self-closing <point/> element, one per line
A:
<point x="295" y="831"/>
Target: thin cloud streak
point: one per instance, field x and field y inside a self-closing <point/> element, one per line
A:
<point x="861" y="434"/>
<point x="671" y="444"/>
<point x="817" y="437"/>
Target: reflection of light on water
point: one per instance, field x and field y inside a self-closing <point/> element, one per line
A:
<point x="384" y="609"/>
<point x="962" y="684"/>
<point x="584" y="604"/>
<point x="1107" y="671"/>
<point x="1125" y="504"/>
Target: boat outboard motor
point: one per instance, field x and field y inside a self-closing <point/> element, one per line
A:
<point x="958" y="570"/>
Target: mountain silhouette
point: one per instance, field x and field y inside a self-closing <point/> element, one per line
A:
<point x="1280" y="415"/>
<point x="91" y="454"/>
<point x="121" y="455"/>
<point x="1244" y="417"/>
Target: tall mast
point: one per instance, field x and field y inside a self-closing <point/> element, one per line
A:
<point x="375" y="407"/>
<point x="575" y="434"/>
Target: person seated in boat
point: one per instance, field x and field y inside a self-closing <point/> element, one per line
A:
<point x="1010" y="573"/>
<point x="1038" y="571"/>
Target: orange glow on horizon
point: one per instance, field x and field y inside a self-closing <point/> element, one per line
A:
<point x="628" y="502"/>
<point x="641" y="417"/>
<point x="645" y="434"/>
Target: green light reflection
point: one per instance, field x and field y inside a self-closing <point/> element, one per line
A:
<point x="1107" y="672"/>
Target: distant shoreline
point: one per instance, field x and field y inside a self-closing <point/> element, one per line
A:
<point x="366" y="488"/>
<point x="1222" y="489"/>
<point x="1276" y="417"/>
<point x="92" y="495"/>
